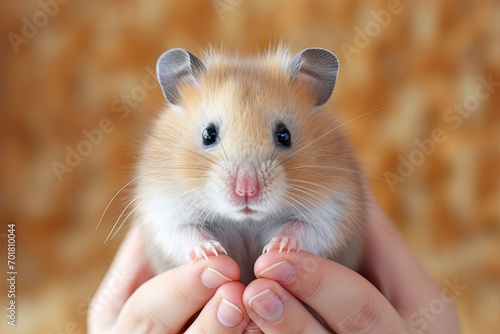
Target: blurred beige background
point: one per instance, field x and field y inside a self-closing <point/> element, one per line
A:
<point x="68" y="65"/>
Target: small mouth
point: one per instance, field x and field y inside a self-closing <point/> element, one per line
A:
<point x="248" y="211"/>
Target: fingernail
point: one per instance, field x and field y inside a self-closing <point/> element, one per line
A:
<point x="267" y="305"/>
<point x="281" y="272"/>
<point x="252" y="328"/>
<point x="212" y="279"/>
<point x="229" y="315"/>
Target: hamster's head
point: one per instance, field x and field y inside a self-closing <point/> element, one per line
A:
<point x="245" y="138"/>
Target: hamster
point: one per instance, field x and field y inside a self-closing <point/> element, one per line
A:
<point x="246" y="159"/>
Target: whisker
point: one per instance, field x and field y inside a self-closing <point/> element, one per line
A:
<point x="303" y="206"/>
<point x="189" y="167"/>
<point x="205" y="157"/>
<point x="343" y="124"/>
<point x="224" y="152"/>
<point x="309" y="207"/>
<point x="273" y="154"/>
<point x="330" y="131"/>
<point x="190" y="197"/>
<point x="337" y="193"/>
<point x="308" y="191"/>
<point x="154" y="193"/>
<point x="363" y="173"/>
<point x="123" y="222"/>
<point x="116" y="223"/>
<point x="112" y="199"/>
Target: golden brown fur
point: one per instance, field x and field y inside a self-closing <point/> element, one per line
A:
<point x="318" y="175"/>
<point x="65" y="79"/>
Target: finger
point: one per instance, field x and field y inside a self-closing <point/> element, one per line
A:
<point x="166" y="302"/>
<point x="394" y="269"/>
<point x="129" y="269"/>
<point x="224" y="313"/>
<point x="275" y="310"/>
<point x="346" y="301"/>
<point x="389" y="263"/>
<point x="252" y="328"/>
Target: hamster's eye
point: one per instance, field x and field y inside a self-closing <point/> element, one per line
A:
<point x="283" y="136"/>
<point x="209" y="135"/>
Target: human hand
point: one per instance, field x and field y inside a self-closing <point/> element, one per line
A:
<point x="395" y="288"/>
<point x="389" y="300"/>
<point x="131" y="300"/>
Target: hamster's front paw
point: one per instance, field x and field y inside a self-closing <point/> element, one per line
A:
<point x="283" y="243"/>
<point x="204" y="249"/>
<point x="288" y="239"/>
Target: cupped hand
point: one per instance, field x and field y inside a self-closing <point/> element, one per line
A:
<point x="391" y="297"/>
<point x="131" y="299"/>
<point x="291" y="292"/>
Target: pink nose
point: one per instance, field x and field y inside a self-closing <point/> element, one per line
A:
<point x="246" y="185"/>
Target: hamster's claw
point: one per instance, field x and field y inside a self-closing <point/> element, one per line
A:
<point x="285" y="243"/>
<point x="204" y="249"/>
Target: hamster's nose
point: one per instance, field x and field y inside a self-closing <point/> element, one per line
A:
<point x="246" y="186"/>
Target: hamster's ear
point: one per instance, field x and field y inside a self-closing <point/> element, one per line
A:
<point x="177" y="67"/>
<point x="318" y="68"/>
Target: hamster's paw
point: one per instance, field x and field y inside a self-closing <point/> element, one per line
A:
<point x="285" y="243"/>
<point x="204" y="249"/>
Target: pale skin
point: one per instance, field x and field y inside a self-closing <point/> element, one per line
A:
<point x="394" y="288"/>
